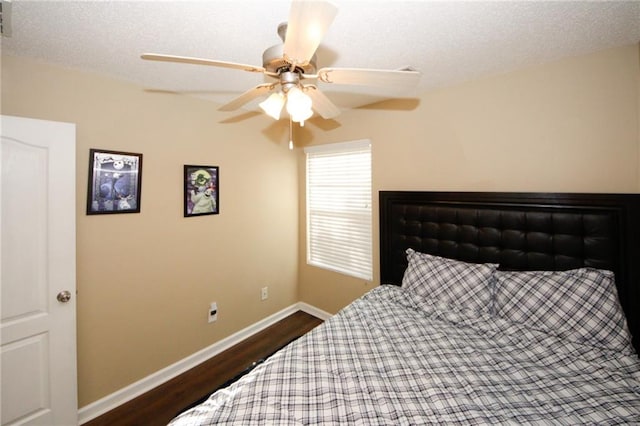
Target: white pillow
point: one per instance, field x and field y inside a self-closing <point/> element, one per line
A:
<point x="580" y="304"/>
<point x="466" y="285"/>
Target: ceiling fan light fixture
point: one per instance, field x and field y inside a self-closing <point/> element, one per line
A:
<point x="293" y="62"/>
<point x="301" y="116"/>
<point x="272" y="106"/>
<point x="298" y="105"/>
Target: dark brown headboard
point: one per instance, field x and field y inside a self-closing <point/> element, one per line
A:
<point x="519" y="231"/>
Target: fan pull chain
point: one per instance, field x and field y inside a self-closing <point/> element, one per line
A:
<point x="290" y="133"/>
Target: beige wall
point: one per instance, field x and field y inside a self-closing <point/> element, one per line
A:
<point x="571" y="125"/>
<point x="145" y="280"/>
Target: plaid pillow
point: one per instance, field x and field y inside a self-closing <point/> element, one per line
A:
<point x="580" y="304"/>
<point x="466" y="285"/>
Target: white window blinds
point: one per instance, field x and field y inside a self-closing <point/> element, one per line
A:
<point x="339" y="207"/>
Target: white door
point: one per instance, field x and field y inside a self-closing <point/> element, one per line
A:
<point x="37" y="273"/>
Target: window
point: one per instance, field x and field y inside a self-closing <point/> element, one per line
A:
<point x="339" y="207"/>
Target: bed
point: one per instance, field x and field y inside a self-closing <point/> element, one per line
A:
<point x="496" y="308"/>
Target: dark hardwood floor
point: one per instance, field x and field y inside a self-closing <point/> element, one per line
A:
<point x="160" y="405"/>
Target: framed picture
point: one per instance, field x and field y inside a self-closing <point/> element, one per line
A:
<point x="201" y="190"/>
<point x="114" y="182"/>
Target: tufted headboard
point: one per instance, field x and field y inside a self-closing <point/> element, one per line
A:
<point x="519" y="231"/>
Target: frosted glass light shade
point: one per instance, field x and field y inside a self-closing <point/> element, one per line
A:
<point x="298" y="105"/>
<point x="301" y="116"/>
<point x="272" y="106"/>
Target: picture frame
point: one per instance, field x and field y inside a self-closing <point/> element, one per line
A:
<point x="201" y="190"/>
<point x="115" y="182"/>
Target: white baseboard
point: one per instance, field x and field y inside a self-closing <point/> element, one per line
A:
<point x="109" y="402"/>
<point x="312" y="310"/>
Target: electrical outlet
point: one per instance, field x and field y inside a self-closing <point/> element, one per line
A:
<point x="264" y="293"/>
<point x="213" y="312"/>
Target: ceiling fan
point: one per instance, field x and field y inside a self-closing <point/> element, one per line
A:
<point x="293" y="66"/>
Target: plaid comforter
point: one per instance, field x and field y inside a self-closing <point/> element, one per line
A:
<point x="390" y="358"/>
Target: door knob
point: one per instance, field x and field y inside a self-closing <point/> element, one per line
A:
<point x="64" y="296"/>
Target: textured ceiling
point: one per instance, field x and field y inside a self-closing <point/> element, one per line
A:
<point x="449" y="42"/>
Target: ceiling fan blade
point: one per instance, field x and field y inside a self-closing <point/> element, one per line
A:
<point x="200" y="61"/>
<point x="401" y="79"/>
<point x="307" y="25"/>
<point x="249" y="95"/>
<point x="321" y="103"/>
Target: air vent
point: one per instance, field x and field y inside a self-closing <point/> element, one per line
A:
<point x="5" y="18"/>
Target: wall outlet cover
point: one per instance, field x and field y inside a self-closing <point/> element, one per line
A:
<point x="213" y="312"/>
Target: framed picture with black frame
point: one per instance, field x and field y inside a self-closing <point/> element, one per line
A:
<point x="201" y="190"/>
<point x="115" y="182"/>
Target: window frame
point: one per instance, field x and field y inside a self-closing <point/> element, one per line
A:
<point x="347" y="218"/>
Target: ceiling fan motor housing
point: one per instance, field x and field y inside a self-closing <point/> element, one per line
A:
<point x="288" y="80"/>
